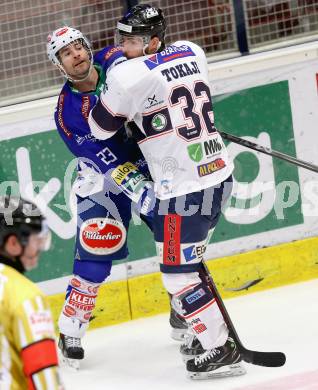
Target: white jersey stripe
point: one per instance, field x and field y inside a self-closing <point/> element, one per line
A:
<point x="23" y="338"/>
<point x="5" y="364"/>
<point x="37" y="381"/>
<point x="29" y="310"/>
<point x="39" y="302"/>
<point x="50" y="383"/>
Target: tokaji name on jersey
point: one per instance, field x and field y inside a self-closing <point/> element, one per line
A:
<point x="181" y="70"/>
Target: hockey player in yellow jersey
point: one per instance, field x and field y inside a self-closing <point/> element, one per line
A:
<point x="28" y="355"/>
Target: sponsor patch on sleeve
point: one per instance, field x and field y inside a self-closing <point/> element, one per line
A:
<point x="129" y="178"/>
<point x="111" y="52"/>
<point x="170" y="53"/>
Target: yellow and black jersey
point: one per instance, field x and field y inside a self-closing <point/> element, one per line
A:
<point x="28" y="357"/>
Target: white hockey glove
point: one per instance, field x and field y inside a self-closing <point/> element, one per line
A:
<point x="88" y="182"/>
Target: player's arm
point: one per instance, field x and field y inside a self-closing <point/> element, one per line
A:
<point x="70" y="123"/>
<point x="111" y="111"/>
<point x="110" y="56"/>
<point x="35" y="339"/>
<point x="74" y="130"/>
<point x="103" y="122"/>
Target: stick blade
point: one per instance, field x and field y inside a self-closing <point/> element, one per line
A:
<point x="265" y="359"/>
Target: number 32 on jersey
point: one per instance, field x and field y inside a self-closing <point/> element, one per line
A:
<point x="196" y="108"/>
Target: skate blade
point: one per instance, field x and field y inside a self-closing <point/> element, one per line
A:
<point x="178" y="334"/>
<point x="74" y="364"/>
<point x="222" y="372"/>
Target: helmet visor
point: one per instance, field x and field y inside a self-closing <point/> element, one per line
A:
<point x="130" y="41"/>
<point x="36" y="243"/>
<point x="40" y="241"/>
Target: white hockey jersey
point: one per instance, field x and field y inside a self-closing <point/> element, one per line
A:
<point x="167" y="95"/>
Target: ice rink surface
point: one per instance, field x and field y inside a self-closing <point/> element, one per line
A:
<point x="140" y="355"/>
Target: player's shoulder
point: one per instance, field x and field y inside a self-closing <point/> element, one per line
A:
<point x="191" y="45"/>
<point x="125" y="73"/>
<point x="129" y="73"/>
<point x="109" y="56"/>
<point x="65" y="98"/>
<point x="106" y="53"/>
<point x="72" y="111"/>
<point x="69" y="102"/>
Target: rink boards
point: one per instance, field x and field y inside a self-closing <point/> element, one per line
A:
<point x="143" y="296"/>
<point x="266" y="236"/>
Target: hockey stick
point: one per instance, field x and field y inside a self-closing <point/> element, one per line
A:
<point x="266" y="359"/>
<point x="269" y="151"/>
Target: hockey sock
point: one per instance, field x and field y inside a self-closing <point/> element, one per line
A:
<point x="78" y="306"/>
<point x="198" y="307"/>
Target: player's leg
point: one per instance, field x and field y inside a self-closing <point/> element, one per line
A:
<point x="211" y="205"/>
<point x="181" y="240"/>
<point x="79" y="304"/>
<point x="223" y="360"/>
<point x="103" y="221"/>
<point x="214" y="201"/>
<point x="179" y="327"/>
<point x="191" y="297"/>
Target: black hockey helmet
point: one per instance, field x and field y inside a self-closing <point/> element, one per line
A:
<point x="144" y="20"/>
<point x="20" y="218"/>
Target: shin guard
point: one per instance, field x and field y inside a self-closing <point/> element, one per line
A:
<point x="80" y="301"/>
<point x="198" y="307"/>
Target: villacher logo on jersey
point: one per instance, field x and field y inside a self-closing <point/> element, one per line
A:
<point x="102" y="236"/>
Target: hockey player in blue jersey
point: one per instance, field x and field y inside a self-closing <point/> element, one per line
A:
<point x="112" y="179"/>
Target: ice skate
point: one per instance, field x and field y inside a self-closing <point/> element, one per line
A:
<point x="71" y="350"/>
<point x="179" y="327"/>
<point x="191" y="347"/>
<point x="224" y="361"/>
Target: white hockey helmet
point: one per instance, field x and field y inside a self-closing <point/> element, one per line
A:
<point x="62" y="37"/>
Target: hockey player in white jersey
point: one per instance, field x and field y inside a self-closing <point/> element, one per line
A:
<point x="165" y="91"/>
